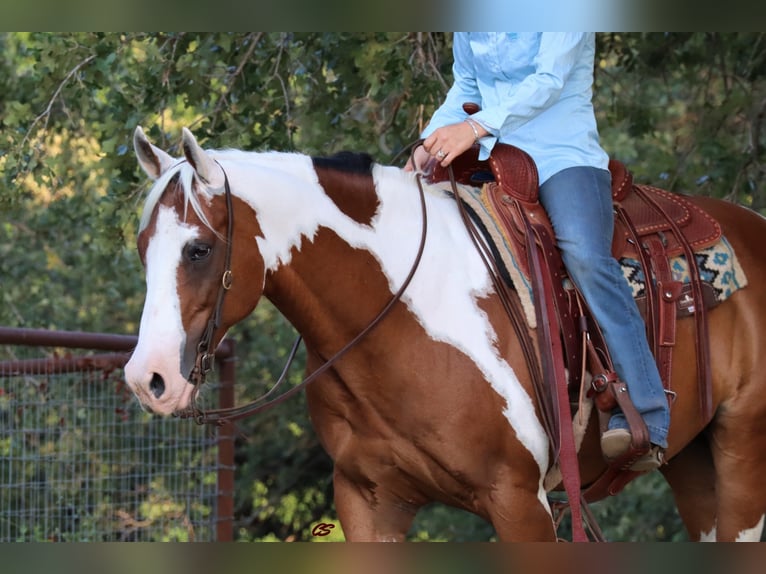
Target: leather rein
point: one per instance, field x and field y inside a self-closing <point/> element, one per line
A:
<point x="206" y="350"/>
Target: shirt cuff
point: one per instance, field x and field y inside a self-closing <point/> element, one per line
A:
<point x="485" y="146"/>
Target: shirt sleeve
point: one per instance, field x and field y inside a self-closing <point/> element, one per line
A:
<point x="464" y="87"/>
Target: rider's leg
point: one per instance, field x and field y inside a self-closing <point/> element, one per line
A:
<point x="579" y="204"/>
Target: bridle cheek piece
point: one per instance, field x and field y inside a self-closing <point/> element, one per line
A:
<point x="203" y="362"/>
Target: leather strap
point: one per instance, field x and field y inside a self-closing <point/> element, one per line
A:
<point x="513" y="308"/>
<point x="553" y="397"/>
<point x="668" y="292"/>
<point x="704" y="377"/>
<point x="203" y="361"/>
<point x="554" y="369"/>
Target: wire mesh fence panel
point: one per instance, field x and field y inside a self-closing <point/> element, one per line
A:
<point x="80" y="460"/>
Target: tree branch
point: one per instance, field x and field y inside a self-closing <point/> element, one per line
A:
<point x="253" y="38"/>
<point x="47" y="112"/>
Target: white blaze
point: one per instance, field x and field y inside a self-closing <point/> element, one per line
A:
<point x="161" y="333"/>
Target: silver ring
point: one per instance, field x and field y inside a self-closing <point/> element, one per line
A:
<point x="440" y="154"/>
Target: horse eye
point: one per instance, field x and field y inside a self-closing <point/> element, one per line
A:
<point x="197" y="251"/>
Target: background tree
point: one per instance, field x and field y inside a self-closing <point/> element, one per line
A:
<point x="685" y="111"/>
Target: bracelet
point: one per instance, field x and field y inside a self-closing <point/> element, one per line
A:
<point x="470" y="122"/>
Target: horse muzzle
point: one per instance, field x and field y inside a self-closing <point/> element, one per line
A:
<point x="157" y="392"/>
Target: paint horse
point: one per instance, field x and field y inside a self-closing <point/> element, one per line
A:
<point x="436" y="402"/>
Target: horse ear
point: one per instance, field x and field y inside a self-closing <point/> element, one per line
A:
<point x="152" y="159"/>
<point x="205" y="167"/>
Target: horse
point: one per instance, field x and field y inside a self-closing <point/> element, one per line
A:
<point x="436" y="402"/>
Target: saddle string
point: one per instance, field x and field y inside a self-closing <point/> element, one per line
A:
<point x="700" y="315"/>
<point x="230" y="414"/>
<point x="583" y="365"/>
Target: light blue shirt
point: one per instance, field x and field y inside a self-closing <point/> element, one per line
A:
<point x="535" y="92"/>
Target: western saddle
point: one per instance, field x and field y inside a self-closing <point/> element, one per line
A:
<point x="651" y="226"/>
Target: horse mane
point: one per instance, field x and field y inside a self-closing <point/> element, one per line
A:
<point x="346" y="161"/>
<point x="182" y="174"/>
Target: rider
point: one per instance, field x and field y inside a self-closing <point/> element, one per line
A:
<point x="535" y="92"/>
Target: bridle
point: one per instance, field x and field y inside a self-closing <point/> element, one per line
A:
<point x="203" y="362"/>
<point x="205" y="350"/>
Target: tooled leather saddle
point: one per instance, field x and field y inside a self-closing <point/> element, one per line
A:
<point x="651" y="226"/>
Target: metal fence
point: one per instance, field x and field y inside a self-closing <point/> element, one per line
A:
<point x="81" y="461"/>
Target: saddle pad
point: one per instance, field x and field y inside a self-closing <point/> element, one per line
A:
<point x="477" y="204"/>
<point x="718" y="266"/>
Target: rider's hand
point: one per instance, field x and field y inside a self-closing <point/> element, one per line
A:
<point x="448" y="142"/>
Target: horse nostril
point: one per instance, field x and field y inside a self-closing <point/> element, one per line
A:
<point x="157" y="386"/>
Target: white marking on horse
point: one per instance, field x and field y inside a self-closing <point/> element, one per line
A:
<point x="751" y="534"/>
<point x="708" y="536"/>
<point x="748" y="535"/>
<point x="162" y="338"/>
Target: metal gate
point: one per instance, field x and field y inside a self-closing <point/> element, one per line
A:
<point x="81" y="461"/>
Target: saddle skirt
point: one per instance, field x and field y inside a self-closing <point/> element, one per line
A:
<point x="658" y="212"/>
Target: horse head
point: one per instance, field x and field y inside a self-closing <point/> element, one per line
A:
<point x="193" y="256"/>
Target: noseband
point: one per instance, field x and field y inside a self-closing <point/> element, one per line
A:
<point x="205" y="350"/>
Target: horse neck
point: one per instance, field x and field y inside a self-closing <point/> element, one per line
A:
<point x="328" y="292"/>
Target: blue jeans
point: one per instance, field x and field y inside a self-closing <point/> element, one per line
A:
<point x="578" y="201"/>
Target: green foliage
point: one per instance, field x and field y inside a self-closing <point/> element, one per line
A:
<point x="685" y="111"/>
<point x="643" y="512"/>
<point x="438" y="523"/>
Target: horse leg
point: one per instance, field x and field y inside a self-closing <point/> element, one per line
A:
<point x="528" y="521"/>
<point x="691" y="476"/>
<point x="518" y="515"/>
<point x="737" y="448"/>
<point x="368" y="514"/>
